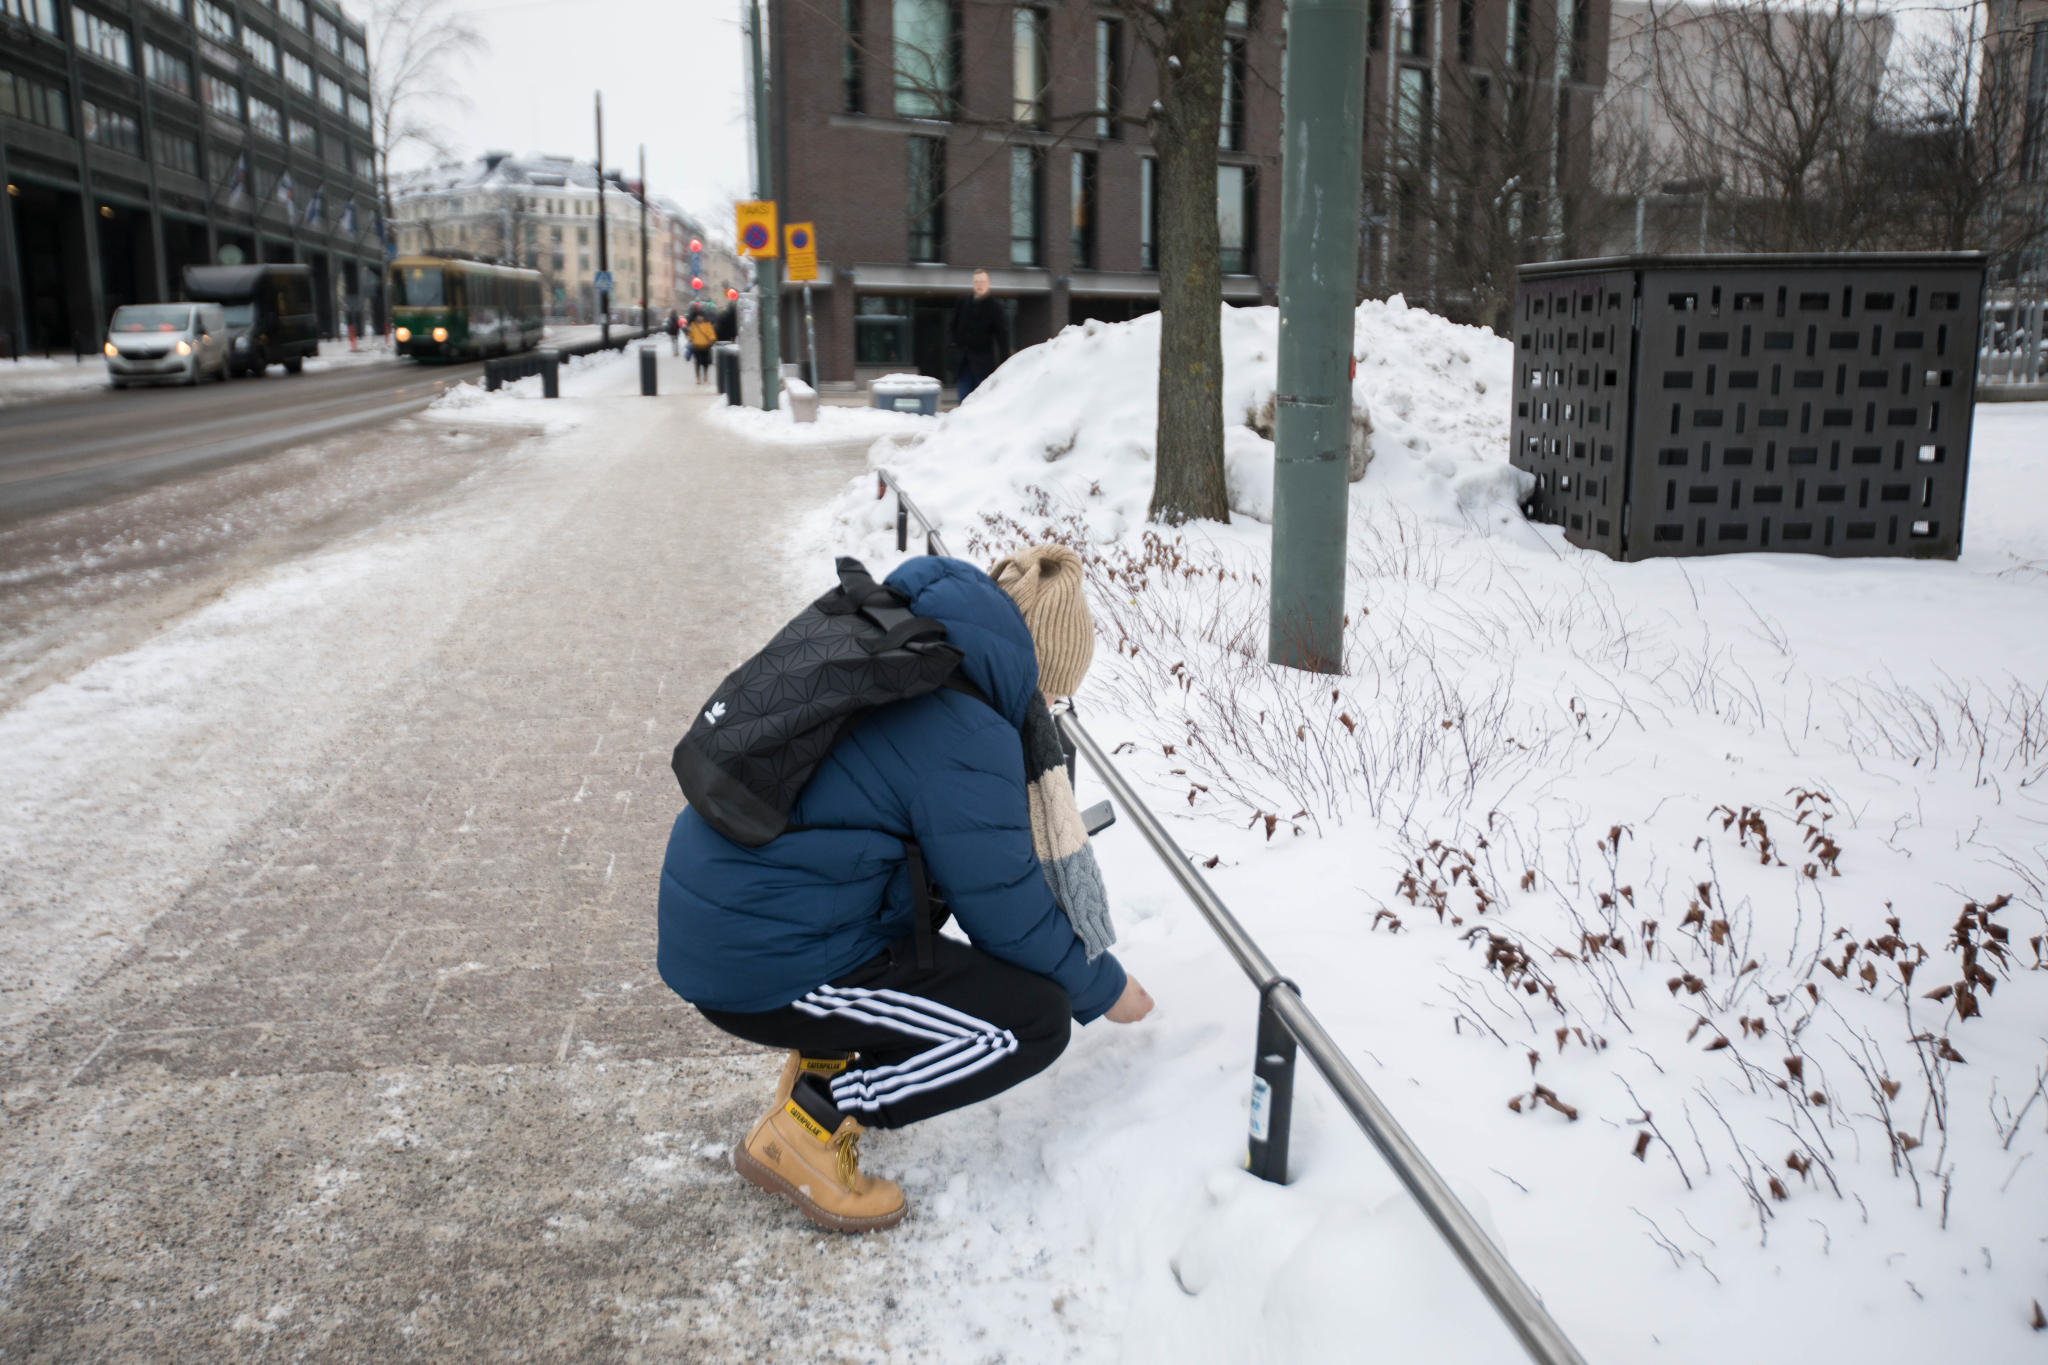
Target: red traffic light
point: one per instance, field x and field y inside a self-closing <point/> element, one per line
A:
<point x="696" y="245"/>
<point x="732" y="294"/>
<point x="697" y="282"/>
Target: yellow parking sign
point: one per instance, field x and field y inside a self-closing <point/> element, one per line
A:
<point x="756" y="222"/>
<point x="801" y="254"/>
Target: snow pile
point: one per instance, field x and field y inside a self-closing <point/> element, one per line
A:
<point x="27" y="378"/>
<point x="1688" y="914"/>
<point x="836" y="425"/>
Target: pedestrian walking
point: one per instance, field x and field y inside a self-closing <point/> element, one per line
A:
<point x="950" y="802"/>
<point x="980" y="339"/>
<point x="703" y="332"/>
<point x="674" y="328"/>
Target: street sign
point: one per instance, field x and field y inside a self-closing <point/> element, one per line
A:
<point x="756" y="222"/>
<point x="803" y="252"/>
<point x="603" y="284"/>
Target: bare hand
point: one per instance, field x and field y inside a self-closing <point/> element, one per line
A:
<point x="1134" y="1004"/>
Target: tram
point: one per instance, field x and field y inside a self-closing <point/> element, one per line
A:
<point x="443" y="308"/>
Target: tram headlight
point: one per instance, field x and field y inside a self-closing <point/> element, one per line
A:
<point x="404" y="334"/>
<point x="440" y="334"/>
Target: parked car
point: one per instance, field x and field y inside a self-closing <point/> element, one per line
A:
<point x="269" y="311"/>
<point x="182" y="342"/>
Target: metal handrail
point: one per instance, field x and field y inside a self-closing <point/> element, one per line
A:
<point x="1280" y="1003"/>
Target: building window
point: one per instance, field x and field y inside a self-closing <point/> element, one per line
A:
<point x="326" y="34"/>
<point x="881" y="330"/>
<point x="1230" y="131"/>
<point x="927" y="57"/>
<point x="353" y="56"/>
<point x="1109" y="75"/>
<point x="168" y="70"/>
<point x="1238" y="13"/>
<point x="264" y="118"/>
<point x="1028" y="63"/>
<point x="925" y="167"/>
<point x="1375" y="22"/>
<point x="583" y="236"/>
<point x="294" y="12"/>
<point x="305" y="136"/>
<point x="1083" y="194"/>
<point x="112" y="129"/>
<point x="298" y="74"/>
<point x="1234" y="207"/>
<point x="1024" y="162"/>
<point x="1411" y="34"/>
<point x="330" y="94"/>
<point x="40" y="14"/>
<point x="1467" y="23"/>
<point x="262" y="51"/>
<point x="1518" y="33"/>
<point x="337" y="154"/>
<point x="101" y="38"/>
<point x="358" y="111"/>
<point x="213" y="21"/>
<point x="1148" y="214"/>
<point x="366" y="166"/>
<point x="222" y="96"/>
<point x="852" y="90"/>
<point x="1411" y="115"/>
<point x="177" y="153"/>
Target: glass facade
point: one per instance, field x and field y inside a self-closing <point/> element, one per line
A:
<point x="1234" y="210"/>
<point x="1029" y="60"/>
<point x="927" y="57"/>
<point x="1024" y="205"/>
<point x="1082" y="191"/>
<point x="925" y="188"/>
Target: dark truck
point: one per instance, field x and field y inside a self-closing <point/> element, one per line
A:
<point x="269" y="313"/>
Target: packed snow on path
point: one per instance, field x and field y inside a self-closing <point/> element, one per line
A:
<point x="1688" y="914"/>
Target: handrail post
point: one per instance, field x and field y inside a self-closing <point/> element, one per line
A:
<point x="902" y="525"/>
<point x="1272" y="1091"/>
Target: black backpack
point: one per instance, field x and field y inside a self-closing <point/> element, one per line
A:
<point x="768" y="726"/>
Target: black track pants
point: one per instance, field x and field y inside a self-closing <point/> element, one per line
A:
<point x="968" y="1027"/>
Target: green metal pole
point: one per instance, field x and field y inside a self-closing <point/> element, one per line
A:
<point x="1320" y="167"/>
<point x="767" y="269"/>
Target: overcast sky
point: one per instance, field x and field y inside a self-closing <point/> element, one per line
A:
<point x="671" y="75"/>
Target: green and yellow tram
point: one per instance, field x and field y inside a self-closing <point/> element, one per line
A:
<point x="445" y="309"/>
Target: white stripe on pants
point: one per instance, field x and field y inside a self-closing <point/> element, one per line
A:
<point x="962" y="1044"/>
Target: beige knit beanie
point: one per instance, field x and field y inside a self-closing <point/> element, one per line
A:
<point x="1045" y="583"/>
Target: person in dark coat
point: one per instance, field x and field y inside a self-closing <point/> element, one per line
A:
<point x="727" y="323"/>
<point x="980" y="337"/>
<point x="807" y="943"/>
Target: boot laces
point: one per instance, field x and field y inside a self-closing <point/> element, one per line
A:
<point x="848" y="1148"/>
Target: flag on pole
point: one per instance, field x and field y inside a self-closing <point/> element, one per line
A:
<point x="348" y="218"/>
<point x="239" y="187"/>
<point x="284" y="192"/>
<point x="316" y="208"/>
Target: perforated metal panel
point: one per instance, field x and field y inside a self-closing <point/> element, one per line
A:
<point x="1717" y="404"/>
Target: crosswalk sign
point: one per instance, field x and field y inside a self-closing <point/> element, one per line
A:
<point x="604" y="282"/>
<point x="756" y="223"/>
<point x="803" y="252"/>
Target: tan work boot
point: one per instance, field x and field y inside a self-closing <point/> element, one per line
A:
<point x="791" y="1152"/>
<point x="824" y="1066"/>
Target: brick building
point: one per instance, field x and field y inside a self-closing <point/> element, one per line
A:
<point x="141" y="136"/>
<point x="929" y="138"/>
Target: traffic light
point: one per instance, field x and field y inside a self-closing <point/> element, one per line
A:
<point x="696" y="245"/>
<point x="697" y="283"/>
<point x="731" y="294"/>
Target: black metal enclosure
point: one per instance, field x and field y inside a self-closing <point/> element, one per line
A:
<point x="1695" y="405"/>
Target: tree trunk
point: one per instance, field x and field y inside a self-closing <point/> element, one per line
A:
<point x="1187" y="481"/>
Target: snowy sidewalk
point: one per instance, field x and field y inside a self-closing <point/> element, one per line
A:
<point x="331" y="1022"/>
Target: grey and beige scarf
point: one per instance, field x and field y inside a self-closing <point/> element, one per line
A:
<point x="1059" y="837"/>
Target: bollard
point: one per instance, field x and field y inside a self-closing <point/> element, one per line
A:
<point x="647" y="362"/>
<point x="1272" y="1092"/>
<point x="494" y="377"/>
<point x="551" y="374"/>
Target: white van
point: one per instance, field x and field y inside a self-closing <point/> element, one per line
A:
<point x="183" y="342"/>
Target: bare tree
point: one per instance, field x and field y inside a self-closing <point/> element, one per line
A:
<point x="1952" y="135"/>
<point x="1185" y="43"/>
<point x="414" y="48"/>
<point x="1773" y="105"/>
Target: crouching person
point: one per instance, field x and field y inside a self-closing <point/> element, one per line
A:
<point x="809" y="942"/>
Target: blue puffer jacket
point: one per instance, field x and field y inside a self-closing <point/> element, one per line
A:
<point x="751" y="929"/>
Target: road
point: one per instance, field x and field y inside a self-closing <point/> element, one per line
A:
<point x="330" y="1029"/>
<point x="91" y="446"/>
